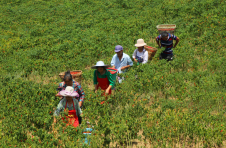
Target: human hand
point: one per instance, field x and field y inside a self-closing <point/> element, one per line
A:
<point x="80" y="103"/>
<point x="122" y="68"/>
<point x="107" y="91"/>
<point x="58" y="95"/>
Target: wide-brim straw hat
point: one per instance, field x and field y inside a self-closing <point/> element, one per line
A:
<point x="69" y="91"/>
<point x="100" y="64"/>
<point x="140" y="43"/>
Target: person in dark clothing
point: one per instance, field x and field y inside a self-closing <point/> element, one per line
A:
<point x="165" y="39"/>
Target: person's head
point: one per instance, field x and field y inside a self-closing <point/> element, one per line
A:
<point x="69" y="92"/>
<point x="100" y="66"/>
<point x="68" y="78"/>
<point x="119" y="50"/>
<point x="101" y="69"/>
<point x="164" y="35"/>
<point x="68" y="97"/>
<point x="140" y="48"/>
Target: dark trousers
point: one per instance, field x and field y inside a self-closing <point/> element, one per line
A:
<point x="79" y="119"/>
<point x="168" y="57"/>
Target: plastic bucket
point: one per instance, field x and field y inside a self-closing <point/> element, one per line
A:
<point x="87" y="132"/>
<point x="113" y="73"/>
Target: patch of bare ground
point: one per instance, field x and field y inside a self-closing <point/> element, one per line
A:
<point x="39" y="79"/>
<point x="152" y="40"/>
<point x="88" y="83"/>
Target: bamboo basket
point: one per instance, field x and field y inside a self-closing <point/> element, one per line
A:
<point x="151" y="51"/>
<point x="170" y="28"/>
<point x="76" y="77"/>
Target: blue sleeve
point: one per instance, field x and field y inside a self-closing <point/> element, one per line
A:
<point x="174" y="37"/>
<point x="158" y="37"/>
<point x="129" y="62"/>
<point x="113" y="61"/>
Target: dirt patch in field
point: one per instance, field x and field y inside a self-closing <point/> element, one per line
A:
<point x="40" y="79"/>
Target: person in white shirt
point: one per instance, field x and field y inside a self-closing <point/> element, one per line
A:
<point x="140" y="55"/>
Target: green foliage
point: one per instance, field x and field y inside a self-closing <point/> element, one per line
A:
<point x="167" y="102"/>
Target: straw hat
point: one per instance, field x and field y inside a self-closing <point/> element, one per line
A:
<point x="100" y="64"/>
<point x="140" y="43"/>
<point x="69" y="91"/>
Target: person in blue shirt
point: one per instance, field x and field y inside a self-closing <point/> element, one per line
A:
<point x="166" y="40"/>
<point x="121" y="61"/>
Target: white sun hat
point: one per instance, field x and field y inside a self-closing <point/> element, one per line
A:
<point x="140" y="43"/>
<point x="100" y="64"/>
<point x="69" y="91"/>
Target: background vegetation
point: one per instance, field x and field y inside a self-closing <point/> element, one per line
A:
<point x="169" y="105"/>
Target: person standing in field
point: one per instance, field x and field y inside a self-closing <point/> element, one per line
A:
<point x="102" y="78"/>
<point x="140" y="55"/>
<point x="70" y="103"/>
<point x="68" y="81"/>
<point x="121" y="61"/>
<point x="166" y="40"/>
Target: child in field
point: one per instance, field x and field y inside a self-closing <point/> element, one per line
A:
<point x="166" y="40"/>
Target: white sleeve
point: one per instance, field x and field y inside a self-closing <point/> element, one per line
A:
<point x="145" y="57"/>
<point x="134" y="53"/>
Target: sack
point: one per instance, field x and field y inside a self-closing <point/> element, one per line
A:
<point x="151" y="51"/>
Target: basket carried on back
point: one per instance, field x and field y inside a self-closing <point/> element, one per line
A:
<point x="170" y="28"/>
<point x="76" y="75"/>
<point x="151" y="51"/>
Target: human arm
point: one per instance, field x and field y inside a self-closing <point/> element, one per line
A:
<point x="157" y="41"/>
<point x="134" y="55"/>
<point x="177" y="41"/>
<point x="145" y="58"/>
<point x="110" y="79"/>
<point x="59" y="108"/>
<point x="124" y="67"/>
<point x="113" y="62"/>
<point x="59" y="89"/>
<point x="95" y="80"/>
<point x="129" y="63"/>
<point x="77" y="107"/>
<point x="81" y="93"/>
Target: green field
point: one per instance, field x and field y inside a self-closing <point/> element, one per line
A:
<point x="180" y="104"/>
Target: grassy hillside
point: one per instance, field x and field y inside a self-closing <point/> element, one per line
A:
<point x="169" y="105"/>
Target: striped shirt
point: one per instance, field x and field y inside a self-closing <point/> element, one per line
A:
<point x="168" y="43"/>
<point x="77" y="87"/>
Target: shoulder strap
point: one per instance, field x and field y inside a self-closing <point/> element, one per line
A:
<point x="96" y="73"/>
<point x="73" y="104"/>
<point x="136" y="52"/>
<point x="66" y="104"/>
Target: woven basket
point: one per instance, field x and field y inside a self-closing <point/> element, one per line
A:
<point x="170" y="28"/>
<point x="62" y="75"/>
<point x="151" y="51"/>
<point x="76" y="77"/>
